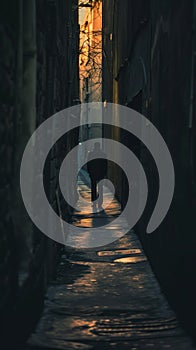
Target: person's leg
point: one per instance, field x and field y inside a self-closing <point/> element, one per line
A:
<point x="93" y="190"/>
<point x="100" y="192"/>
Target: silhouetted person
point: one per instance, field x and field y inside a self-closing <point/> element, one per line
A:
<point x="97" y="169"/>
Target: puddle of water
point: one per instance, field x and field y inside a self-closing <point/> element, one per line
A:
<point x="130" y="259"/>
<point x="118" y="252"/>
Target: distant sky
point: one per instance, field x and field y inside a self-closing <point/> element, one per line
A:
<point x="83" y="11"/>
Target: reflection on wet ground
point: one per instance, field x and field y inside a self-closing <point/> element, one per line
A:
<point x="107" y="298"/>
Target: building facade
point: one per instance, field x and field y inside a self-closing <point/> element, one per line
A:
<point x="39" y="77"/>
<point x="149" y="65"/>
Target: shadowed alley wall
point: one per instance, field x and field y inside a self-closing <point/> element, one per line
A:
<point x="39" y="76"/>
<point x="149" y="65"/>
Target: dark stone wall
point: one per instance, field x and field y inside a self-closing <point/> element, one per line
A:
<point x="7" y="90"/>
<point x="153" y="72"/>
<point x="39" y="76"/>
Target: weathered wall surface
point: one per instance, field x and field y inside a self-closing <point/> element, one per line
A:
<point x="152" y="69"/>
<point x="39" y="76"/>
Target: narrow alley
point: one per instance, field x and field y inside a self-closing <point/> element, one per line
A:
<point x="98" y="174"/>
<point x="106" y="299"/>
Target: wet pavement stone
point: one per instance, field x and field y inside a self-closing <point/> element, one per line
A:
<point x="107" y="298"/>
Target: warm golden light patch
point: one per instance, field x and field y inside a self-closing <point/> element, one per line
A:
<point x="130" y="259"/>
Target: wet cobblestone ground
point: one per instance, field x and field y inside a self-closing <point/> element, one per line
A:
<point x="107" y="299"/>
